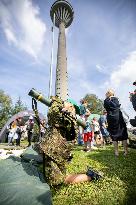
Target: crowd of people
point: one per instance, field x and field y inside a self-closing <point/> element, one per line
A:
<point x="17" y="130"/>
<point x="109" y="128"/>
<point x="95" y="134"/>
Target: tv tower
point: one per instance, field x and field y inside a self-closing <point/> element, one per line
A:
<point x="62" y="16"/>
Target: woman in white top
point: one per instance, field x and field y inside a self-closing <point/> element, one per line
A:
<point x="12" y="133"/>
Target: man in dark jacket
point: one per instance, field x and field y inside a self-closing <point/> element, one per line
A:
<point x="30" y="126"/>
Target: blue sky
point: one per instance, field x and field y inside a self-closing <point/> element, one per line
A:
<point x="101" y="48"/>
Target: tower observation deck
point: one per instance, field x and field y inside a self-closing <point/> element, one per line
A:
<point x="62" y="16"/>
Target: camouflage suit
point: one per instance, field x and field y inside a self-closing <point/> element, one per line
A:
<point x="62" y="127"/>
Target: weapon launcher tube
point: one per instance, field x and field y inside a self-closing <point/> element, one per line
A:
<point x="38" y="96"/>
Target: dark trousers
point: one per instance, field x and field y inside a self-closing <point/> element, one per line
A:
<point x="18" y="140"/>
<point x="41" y="136"/>
<point x="29" y="138"/>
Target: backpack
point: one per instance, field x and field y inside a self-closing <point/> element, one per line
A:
<point x="82" y="110"/>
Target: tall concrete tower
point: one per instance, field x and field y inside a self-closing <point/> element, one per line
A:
<point x="62" y="15"/>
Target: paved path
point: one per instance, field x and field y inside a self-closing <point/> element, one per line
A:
<point x="6" y="151"/>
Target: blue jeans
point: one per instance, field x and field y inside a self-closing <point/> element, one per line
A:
<point x="80" y="139"/>
<point x="10" y="140"/>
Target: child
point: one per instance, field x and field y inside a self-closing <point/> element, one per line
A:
<point x="97" y="133"/>
<point x="96" y="127"/>
<point x="88" y="133"/>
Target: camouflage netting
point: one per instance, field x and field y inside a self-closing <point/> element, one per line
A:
<point x="63" y="119"/>
<point x="62" y="128"/>
<point x="57" y="153"/>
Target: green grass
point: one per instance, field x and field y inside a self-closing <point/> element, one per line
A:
<point x="118" y="185"/>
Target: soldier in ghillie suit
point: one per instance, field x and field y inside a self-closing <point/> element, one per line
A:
<point x="62" y="127"/>
<point x="56" y="145"/>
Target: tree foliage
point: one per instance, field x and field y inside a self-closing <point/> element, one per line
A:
<point x="5" y="107"/>
<point x="18" y="107"/>
<point x="95" y="105"/>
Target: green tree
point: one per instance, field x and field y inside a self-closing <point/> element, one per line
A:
<point x="18" y="107"/>
<point x="5" y="108"/>
<point x="95" y="105"/>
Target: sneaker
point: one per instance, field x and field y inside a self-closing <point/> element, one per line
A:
<point x="94" y="147"/>
<point x="93" y="174"/>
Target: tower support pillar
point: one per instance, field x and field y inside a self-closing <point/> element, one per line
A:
<point x="61" y="87"/>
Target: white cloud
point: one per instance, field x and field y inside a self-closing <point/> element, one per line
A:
<point x="102" y="69"/>
<point x="23" y="26"/>
<point x="126" y="71"/>
<point x="10" y="36"/>
<point x="121" y="80"/>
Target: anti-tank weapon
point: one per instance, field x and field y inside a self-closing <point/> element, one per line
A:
<point x="48" y="102"/>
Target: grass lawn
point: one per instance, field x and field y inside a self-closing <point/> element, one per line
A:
<point x="118" y="185"/>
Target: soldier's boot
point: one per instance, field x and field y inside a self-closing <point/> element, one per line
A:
<point x="93" y="174"/>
